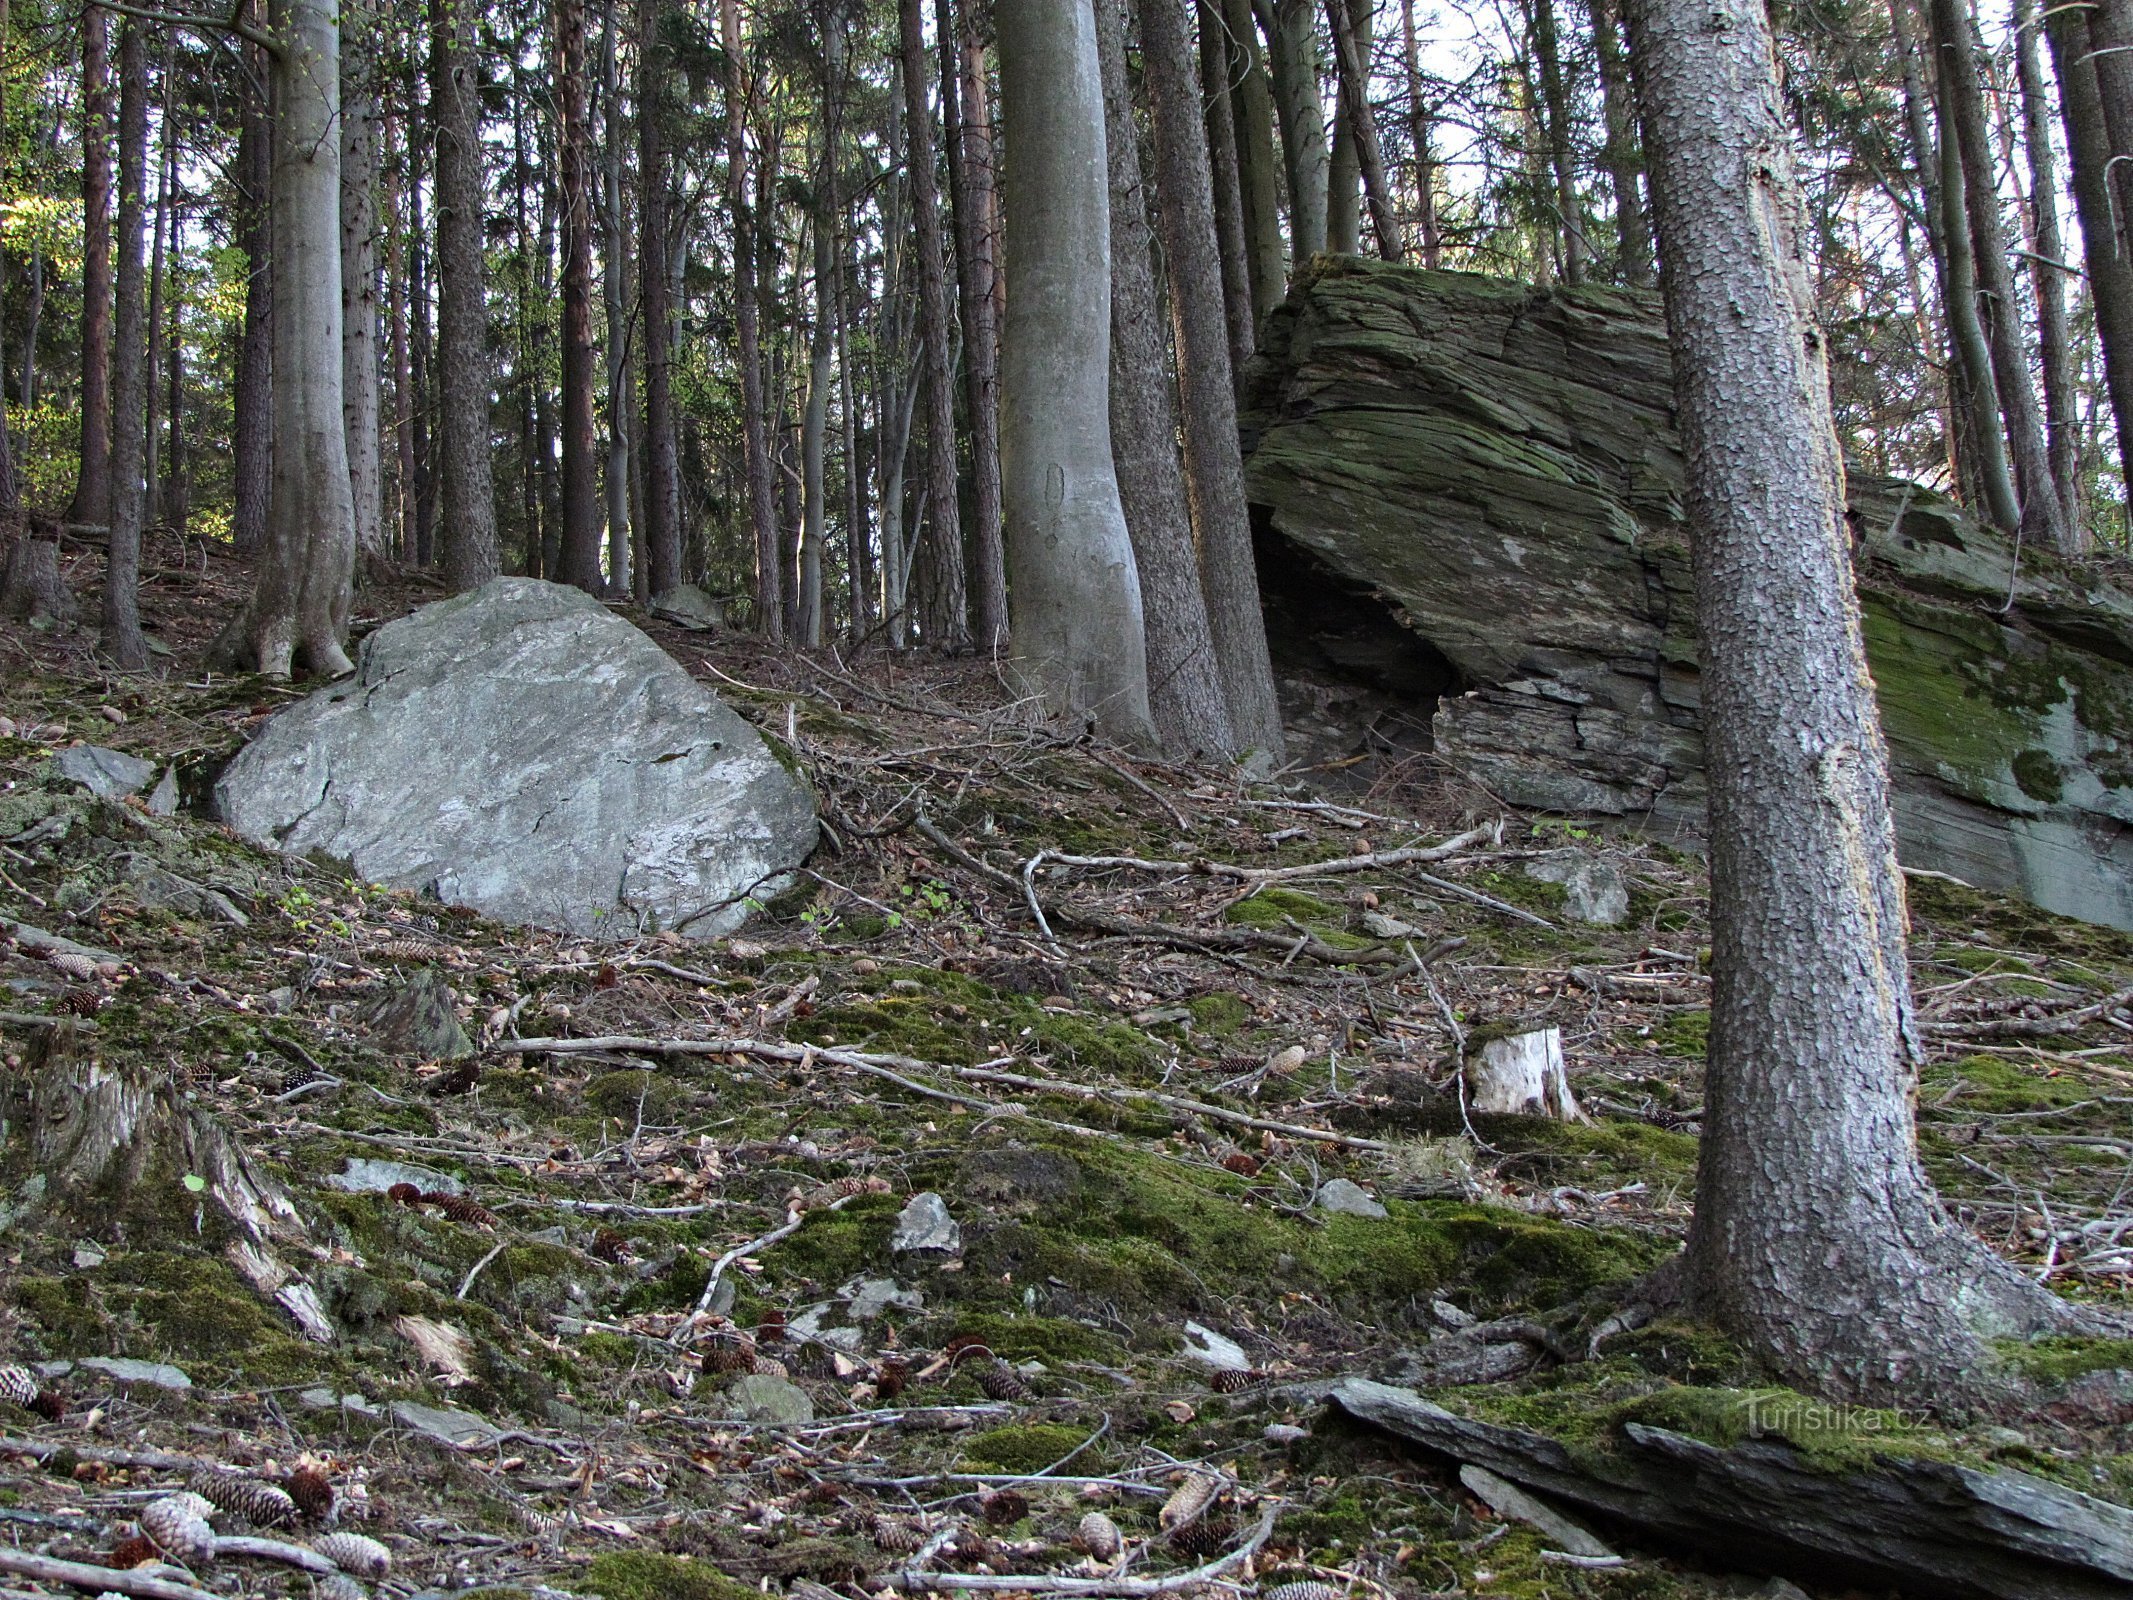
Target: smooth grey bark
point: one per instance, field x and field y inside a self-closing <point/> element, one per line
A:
<point x="398" y="271"/>
<point x="1229" y="191"/>
<point x="92" y="491"/>
<point x="2055" y="360"/>
<point x="943" y="607"/>
<point x="1620" y="156"/>
<point x="359" y="280"/>
<point x="1185" y="697"/>
<point x="1292" y="51"/>
<point x="578" y="544"/>
<point x="1429" y="244"/>
<point x="755" y="437"/>
<point x="614" y="275"/>
<point x="2043" y="519"/>
<point x="297" y="614"/>
<point x="858" y="547"/>
<point x="1207" y="397"/>
<point x="1258" y="169"/>
<point x="2088" y="142"/>
<point x="465" y="373"/>
<point x="1351" y="49"/>
<point x="1077" y="598"/>
<point x="1817" y="1239"/>
<point x="122" y="637"/>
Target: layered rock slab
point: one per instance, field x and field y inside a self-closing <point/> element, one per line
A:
<point x="524" y="752"/>
<point x="1500" y="464"/>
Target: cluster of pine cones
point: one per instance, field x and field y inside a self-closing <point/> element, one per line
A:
<point x="179" y="1527"/>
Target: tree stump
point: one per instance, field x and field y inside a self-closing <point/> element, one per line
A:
<point x="32" y="587"/>
<point x="1522" y="1074"/>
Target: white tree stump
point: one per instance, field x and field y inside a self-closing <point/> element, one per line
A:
<point x="1522" y="1074"/>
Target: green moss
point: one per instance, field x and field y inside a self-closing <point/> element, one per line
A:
<point x="621" y="1094"/>
<point x="1684" y="1033"/>
<point x="2037" y="775"/>
<point x="1047" y="1339"/>
<point x="832" y="1246"/>
<point x="1029" y="1448"/>
<point x="2061" y="1360"/>
<point x="1832" y="1438"/>
<point x="1989" y="1083"/>
<point x="647" y="1575"/>
<point x="1219" y="1014"/>
<point x="1284" y="910"/>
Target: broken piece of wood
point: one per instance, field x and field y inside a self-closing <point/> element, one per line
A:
<point x="1522" y="1074"/>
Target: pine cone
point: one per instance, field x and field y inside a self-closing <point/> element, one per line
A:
<point x="1002" y="1507"/>
<point x="178" y="1529"/>
<point x="1302" y="1591"/>
<point x="405" y="950"/>
<point x="20" y="1386"/>
<point x="1099" y="1536"/>
<point x="897" y="1537"/>
<point x="356" y="1554"/>
<point x="73" y="964"/>
<point x="770" y="1327"/>
<point x="731" y="1355"/>
<point x="456" y="1079"/>
<point x="404" y="1194"/>
<point x="132" y="1552"/>
<point x="1189" y="1499"/>
<point x="458" y="1208"/>
<point x="608" y="1245"/>
<point x="890" y="1376"/>
<point x="1002" y="1382"/>
<point x="302" y="1078"/>
<point x="965" y="1344"/>
<point x="337" y="1586"/>
<point x="260" y="1503"/>
<point x="1210" y="1536"/>
<point x="81" y="1002"/>
<point x="312" y="1491"/>
<point x="1238" y="1162"/>
<point x="1231" y="1382"/>
<point x="842" y="1189"/>
<point x="769" y="1367"/>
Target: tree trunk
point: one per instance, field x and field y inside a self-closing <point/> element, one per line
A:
<point x="2042" y="517"/>
<point x="1816" y="1240"/>
<point x="92" y="491"/>
<point x="2088" y="143"/>
<point x="158" y="262"/>
<point x="421" y="361"/>
<point x="1926" y="161"/>
<point x="1624" y="164"/>
<point x="579" y="546"/>
<point x="122" y="637"/>
<point x="177" y="466"/>
<point x="1229" y="191"/>
<point x="396" y="316"/>
<point x="465" y="372"/>
<point x="32" y="315"/>
<point x="1292" y="48"/>
<point x="32" y="587"/>
<point x="967" y="121"/>
<point x="1345" y="19"/>
<point x="814" y="432"/>
<point x="1077" y="622"/>
<point x="614" y="276"/>
<point x="1258" y="169"/>
<point x="1555" y="102"/>
<point x="1207" y="397"/>
<point x="1351" y="47"/>
<point x="1431" y="243"/>
<point x="2111" y="52"/>
<point x="2062" y="426"/>
<point x="943" y="611"/>
<point x="1185" y="697"/>
<point x="359" y="280"/>
<point x="252" y="425"/>
<point x="857" y="542"/>
<point x="762" y="511"/>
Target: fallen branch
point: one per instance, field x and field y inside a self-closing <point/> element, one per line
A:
<point x="794" y="1220"/>
<point x="1048" y="1583"/>
<point x="160" y="1460"/>
<point x="2036" y="1027"/>
<point x="293" y="1555"/>
<point x="100" y="1580"/>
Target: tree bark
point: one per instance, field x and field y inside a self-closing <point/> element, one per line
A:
<point x="1077" y="622"/>
<point x="421" y="361"/>
<point x="859" y="567"/>
<point x="2042" y="517"/>
<point x="1258" y="169"/>
<point x="158" y="262"/>
<point x="1344" y="163"/>
<point x="762" y="510"/>
<point x="614" y="277"/>
<point x="252" y="426"/>
<point x="1351" y="50"/>
<point x="2088" y="143"/>
<point x="943" y="610"/>
<point x="1292" y="49"/>
<point x="579" y="546"/>
<point x="1430" y="244"/>
<point x="32" y="586"/>
<point x="2110" y="51"/>
<point x="122" y="636"/>
<point x="1926" y="162"/>
<point x="1185" y="696"/>
<point x="1229" y="190"/>
<point x="968" y="123"/>
<point x="1816" y="1240"/>
<point x="1207" y="397"/>
<point x="359" y="280"/>
<point x="2062" y="427"/>
<point x="396" y="316"/>
<point x="1624" y="163"/>
<point x="465" y="371"/>
<point x="92" y="491"/>
<point x="1555" y="103"/>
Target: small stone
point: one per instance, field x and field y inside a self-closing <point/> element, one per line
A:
<point x="868" y="1298"/>
<point x="121" y="1369"/>
<point x="1213" y="1350"/>
<point x="925" y="1227"/>
<point x="365" y="1175"/>
<point x="1284" y="1433"/>
<point x="2004" y="1439"/>
<point x="462" y="1430"/>
<point x="416" y="1019"/>
<point x="1506" y="1499"/>
<point x="1346" y="1199"/>
<point x="107" y="774"/>
<point x="1450" y="1316"/>
<point x="164" y="801"/>
<point x="1380" y="926"/>
<point x="1595" y="891"/>
<point x="1285" y="1060"/>
<point x="760" y="1398"/>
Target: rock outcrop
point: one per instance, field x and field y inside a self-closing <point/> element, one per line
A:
<point x="1499" y="464"/>
<point x="523" y="751"/>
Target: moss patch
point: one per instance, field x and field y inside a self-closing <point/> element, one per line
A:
<point x="1022" y="1449"/>
<point x="645" y="1575"/>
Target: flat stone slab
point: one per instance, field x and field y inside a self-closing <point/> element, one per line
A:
<point x="523" y="751"/>
<point x="362" y="1175"/>
<point x="1346" y="1199"/>
<point x="123" y="1369"/>
<point x="462" y="1430"/>
<point x="924" y="1227"/>
<point x="109" y="774"/>
<point x="758" y="1397"/>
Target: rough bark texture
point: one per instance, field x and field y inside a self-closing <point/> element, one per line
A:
<point x="359" y="279"/>
<point x="762" y="511"/>
<point x="615" y="242"/>
<point x="1258" y="169"/>
<point x="252" y="427"/>
<point x="122" y="637"/>
<point x="1077" y="620"/>
<point x="2055" y="349"/>
<point x="1817" y="1239"/>
<point x="1352" y="49"/>
<point x="1344" y="166"/>
<point x="467" y="511"/>
<point x="1429" y="245"/>
<point x="1555" y="103"/>
<point x="1207" y="399"/>
<point x="814" y="430"/>
<point x="1229" y="193"/>
<point x="92" y="492"/>
<point x="1185" y="694"/>
<point x="1292" y="49"/>
<point x="32" y="586"/>
<point x="943" y="611"/>
<point x="1620" y="156"/>
<point x="579" y="544"/>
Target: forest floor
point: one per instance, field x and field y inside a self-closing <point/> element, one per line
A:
<point x="1129" y="1116"/>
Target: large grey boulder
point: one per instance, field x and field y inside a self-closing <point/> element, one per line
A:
<point x="1499" y="464"/>
<point x="523" y="751"/>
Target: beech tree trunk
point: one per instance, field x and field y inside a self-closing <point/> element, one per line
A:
<point x="92" y="490"/>
<point x="252" y="426"/>
<point x="1292" y="48"/>
<point x="2042" y="517"/>
<point x="465" y="373"/>
<point x="762" y="509"/>
<point x="1817" y="1239"/>
<point x="1344" y="164"/>
<point x="359" y="280"/>
<point x="2088" y="143"/>
<point x="1207" y="397"/>
<point x="579" y="544"/>
<point x="2062" y="427"/>
<point x="1185" y="696"/>
<point x="943" y="611"/>
<point x="122" y="637"/>
<point x="1077" y="597"/>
